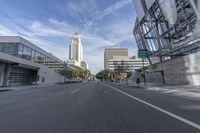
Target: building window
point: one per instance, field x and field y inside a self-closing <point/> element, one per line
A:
<point x="20" y="50"/>
<point x="29" y="53"/>
<point x="13" y="49"/>
<point x="24" y="55"/>
<point x="6" y="48"/>
<point x="33" y="55"/>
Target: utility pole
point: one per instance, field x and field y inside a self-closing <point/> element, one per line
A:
<point x="144" y="72"/>
<point x="65" y="72"/>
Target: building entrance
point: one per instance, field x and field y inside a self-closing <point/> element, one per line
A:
<point x="22" y="76"/>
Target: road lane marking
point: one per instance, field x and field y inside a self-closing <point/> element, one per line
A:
<point x="195" y="125"/>
<point x="75" y="91"/>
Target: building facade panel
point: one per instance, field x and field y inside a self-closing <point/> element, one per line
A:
<point x="139" y="8"/>
<point x="149" y="3"/>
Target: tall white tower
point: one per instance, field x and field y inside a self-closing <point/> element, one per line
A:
<point x="76" y="49"/>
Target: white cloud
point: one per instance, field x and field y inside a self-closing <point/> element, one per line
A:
<point x="54" y="36"/>
<point x="39" y="29"/>
<point x="5" y="31"/>
<point x="118" y="5"/>
<point x="30" y="35"/>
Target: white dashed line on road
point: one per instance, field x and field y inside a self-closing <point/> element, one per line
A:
<point x="75" y="91"/>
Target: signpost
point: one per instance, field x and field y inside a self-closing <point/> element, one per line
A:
<point x="143" y="53"/>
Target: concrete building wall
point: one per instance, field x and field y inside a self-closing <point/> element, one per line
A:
<point x="45" y="74"/>
<point x="73" y="62"/>
<point x="182" y="70"/>
<point x="48" y="76"/>
<point x="1" y="73"/>
<point x="4" y="74"/>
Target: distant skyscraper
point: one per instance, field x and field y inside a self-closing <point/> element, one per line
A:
<point x="76" y="50"/>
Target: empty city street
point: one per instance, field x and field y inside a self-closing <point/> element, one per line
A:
<point x="96" y="107"/>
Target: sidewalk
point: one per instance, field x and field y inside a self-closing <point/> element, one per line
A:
<point x="178" y="90"/>
<point x="25" y="87"/>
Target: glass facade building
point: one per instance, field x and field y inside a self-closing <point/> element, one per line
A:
<point x="168" y="29"/>
<point x="25" y="52"/>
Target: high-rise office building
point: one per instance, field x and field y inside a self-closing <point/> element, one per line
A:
<point x="110" y="52"/>
<point x="75" y="50"/>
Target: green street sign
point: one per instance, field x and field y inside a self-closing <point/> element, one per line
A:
<point x="143" y="53"/>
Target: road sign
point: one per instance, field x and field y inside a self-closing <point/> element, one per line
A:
<point x="143" y="53"/>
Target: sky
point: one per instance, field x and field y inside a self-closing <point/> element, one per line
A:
<point x="50" y="24"/>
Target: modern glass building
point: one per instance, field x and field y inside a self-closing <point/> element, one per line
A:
<point x="167" y="28"/>
<point x="22" y="62"/>
<point x="170" y="31"/>
<point x="30" y="53"/>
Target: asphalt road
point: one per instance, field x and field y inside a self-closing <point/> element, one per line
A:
<point x="96" y="108"/>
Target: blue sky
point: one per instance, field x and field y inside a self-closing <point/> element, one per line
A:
<point x="50" y="24"/>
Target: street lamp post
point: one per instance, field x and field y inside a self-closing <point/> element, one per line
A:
<point x="65" y="80"/>
<point x="143" y="53"/>
<point x="144" y="72"/>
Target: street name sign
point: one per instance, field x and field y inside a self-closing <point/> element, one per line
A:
<point x="143" y="53"/>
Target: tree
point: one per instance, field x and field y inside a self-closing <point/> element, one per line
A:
<point x="117" y="76"/>
<point x="121" y="70"/>
<point x="76" y="72"/>
<point x="104" y="74"/>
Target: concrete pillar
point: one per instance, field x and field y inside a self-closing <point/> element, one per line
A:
<point x="4" y="74"/>
<point x="2" y="70"/>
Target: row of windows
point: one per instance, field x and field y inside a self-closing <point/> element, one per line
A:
<point x="131" y="63"/>
<point x="27" y="53"/>
<point x="125" y="66"/>
<point x="133" y="67"/>
<point x="127" y="62"/>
